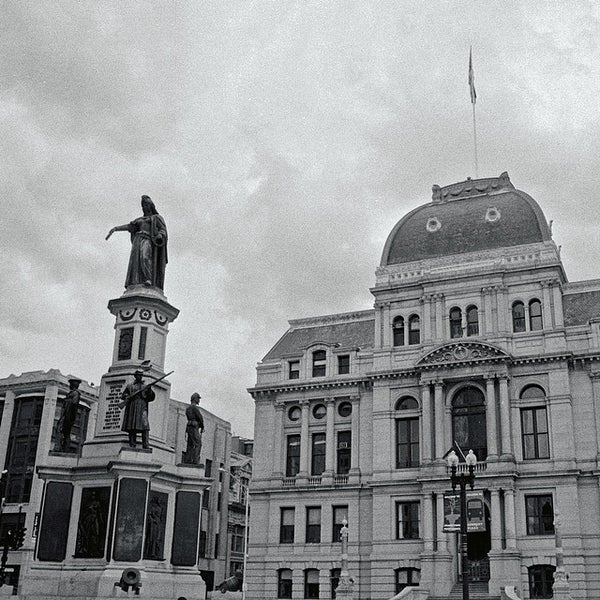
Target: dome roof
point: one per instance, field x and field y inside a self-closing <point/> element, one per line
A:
<point x="470" y="216"/>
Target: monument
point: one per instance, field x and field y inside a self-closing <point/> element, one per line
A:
<point x="123" y="518"/>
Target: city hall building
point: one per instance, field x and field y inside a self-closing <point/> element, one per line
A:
<point x="476" y="340"/>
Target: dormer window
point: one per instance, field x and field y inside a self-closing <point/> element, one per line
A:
<point x="319" y="363"/>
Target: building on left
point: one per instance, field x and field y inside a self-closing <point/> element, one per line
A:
<point x="30" y="409"/>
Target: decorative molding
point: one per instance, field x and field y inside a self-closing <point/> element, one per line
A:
<point x="463" y="352"/>
<point x="145" y="314"/>
<point x="127" y="315"/>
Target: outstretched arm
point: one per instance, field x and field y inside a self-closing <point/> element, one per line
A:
<point x="118" y="228"/>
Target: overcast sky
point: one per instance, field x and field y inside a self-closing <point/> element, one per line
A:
<point x="281" y="141"/>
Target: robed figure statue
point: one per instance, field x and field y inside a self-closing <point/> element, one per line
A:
<point x="135" y="399"/>
<point x="148" y="257"/>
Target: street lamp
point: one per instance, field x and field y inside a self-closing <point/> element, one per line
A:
<point x="246" y="528"/>
<point x="462" y="480"/>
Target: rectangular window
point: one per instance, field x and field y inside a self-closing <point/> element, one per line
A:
<point x="294" y="369"/>
<point x="202" y="545"/>
<point x="217" y="546"/>
<point x="407" y="520"/>
<point x="407" y="443"/>
<point x="339" y="514"/>
<point x="286" y="527"/>
<point x="313" y="525"/>
<point x="534" y="426"/>
<point x="237" y="538"/>
<point x="539" y="511"/>
<point x="292" y="463"/>
<point x="206" y="498"/>
<point x="142" y="345"/>
<point x="208" y="467"/>
<point x="317" y="461"/>
<point x="319" y="363"/>
<point x="344" y="364"/>
<point x="344" y="451"/>
<point x="125" y="343"/>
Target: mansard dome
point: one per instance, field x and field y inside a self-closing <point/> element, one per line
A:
<point x="470" y="216"/>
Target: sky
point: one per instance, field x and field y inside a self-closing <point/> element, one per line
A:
<point x="281" y="141"/>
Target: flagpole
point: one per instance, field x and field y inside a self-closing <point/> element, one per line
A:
<point x="475" y="143"/>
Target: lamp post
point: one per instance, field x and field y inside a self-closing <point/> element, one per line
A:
<point x="246" y="528"/>
<point x="462" y="480"/>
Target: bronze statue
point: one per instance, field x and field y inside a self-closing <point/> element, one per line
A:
<point x="134" y="399"/>
<point x="148" y="257"/>
<point x="90" y="542"/>
<point x="69" y="414"/>
<point x="193" y="430"/>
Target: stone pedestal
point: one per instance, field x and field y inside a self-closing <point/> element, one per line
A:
<point x="505" y="570"/>
<point x="115" y="507"/>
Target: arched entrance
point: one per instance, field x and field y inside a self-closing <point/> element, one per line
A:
<point x="478" y="545"/>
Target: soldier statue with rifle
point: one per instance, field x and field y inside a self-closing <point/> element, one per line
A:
<point x="135" y="399"/>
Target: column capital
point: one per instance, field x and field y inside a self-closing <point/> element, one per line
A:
<point x="503" y="377"/>
<point x="425" y="382"/>
<point x="595" y="375"/>
<point x="304" y="403"/>
<point x="489" y="376"/>
<point x="438" y="383"/>
<point x="330" y="401"/>
<point x="354" y="399"/>
<point x="279" y="405"/>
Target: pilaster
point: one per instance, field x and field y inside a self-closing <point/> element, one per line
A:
<point x="303" y="473"/>
<point x="354" y="475"/>
<point x="507" y="451"/>
<point x="426" y="434"/>
<point x="327" y="476"/>
<point x="490" y="417"/>
<point x="439" y="420"/>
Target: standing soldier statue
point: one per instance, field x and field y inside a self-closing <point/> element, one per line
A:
<point x="193" y="430"/>
<point x="135" y="399"/>
<point x="69" y="414"/>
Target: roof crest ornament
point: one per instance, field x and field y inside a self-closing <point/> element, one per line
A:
<point x="470" y="187"/>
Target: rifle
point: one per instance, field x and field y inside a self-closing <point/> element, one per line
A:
<point x="124" y="403"/>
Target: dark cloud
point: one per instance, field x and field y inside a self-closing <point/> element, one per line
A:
<point x="281" y="141"/>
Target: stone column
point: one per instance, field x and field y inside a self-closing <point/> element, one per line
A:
<point x="442" y="537"/>
<point x="496" y="520"/>
<point x="378" y="322"/>
<point x="490" y="417"/>
<point x="547" y="318"/>
<point x="329" y="442"/>
<point x="440" y="334"/>
<point x="558" y="304"/>
<point x="354" y="474"/>
<point x="509" y="518"/>
<point x="505" y="416"/>
<point x="277" y="439"/>
<point x="427" y="321"/>
<point x="426" y="422"/>
<point x="304" y="439"/>
<point x="503" y="308"/>
<point x="527" y="322"/>
<point x="5" y="425"/>
<point x="487" y="300"/>
<point x="427" y="522"/>
<point x="386" y="324"/>
<point x="439" y="420"/>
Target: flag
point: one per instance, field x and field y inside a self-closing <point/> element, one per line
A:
<point x="472" y="78"/>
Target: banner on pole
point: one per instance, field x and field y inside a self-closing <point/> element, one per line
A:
<point x="475" y="512"/>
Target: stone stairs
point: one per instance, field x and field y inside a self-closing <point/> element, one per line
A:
<point x="477" y="591"/>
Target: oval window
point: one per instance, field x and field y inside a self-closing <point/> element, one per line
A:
<point x="345" y="409"/>
<point x="294" y="413"/>
<point x="319" y="411"/>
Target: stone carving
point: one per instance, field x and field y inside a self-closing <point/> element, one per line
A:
<point x="462" y="352"/>
<point x="127" y="315"/>
<point x="156" y="519"/>
<point x="148" y="257"/>
<point x="69" y="414"/>
<point x="193" y="431"/>
<point x="91" y="529"/>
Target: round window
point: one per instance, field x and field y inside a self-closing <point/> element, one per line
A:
<point x="345" y="409"/>
<point x="433" y="224"/>
<point x="319" y="411"/>
<point x="294" y="413"/>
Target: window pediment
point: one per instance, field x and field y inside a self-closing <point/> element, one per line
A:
<point x="461" y="353"/>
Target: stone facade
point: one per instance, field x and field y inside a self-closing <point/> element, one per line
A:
<point x="476" y="340"/>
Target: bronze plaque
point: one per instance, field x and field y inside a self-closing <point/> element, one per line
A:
<point x="93" y="520"/>
<point x="156" y="521"/>
<point x="131" y="513"/>
<point x="55" y="521"/>
<point x="185" y="531"/>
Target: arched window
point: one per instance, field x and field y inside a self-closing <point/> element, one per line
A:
<point x="407" y="576"/>
<point x="398" y="331"/>
<point x="518" y="316"/>
<point x="468" y="421"/>
<point x="541" y="579"/>
<point x="319" y="363"/>
<point x="472" y="320"/>
<point x="455" y="322"/>
<point x="414" y="330"/>
<point x="311" y="583"/>
<point x="284" y="583"/>
<point x="535" y="315"/>
<point x="534" y="424"/>
<point x="407" y="433"/>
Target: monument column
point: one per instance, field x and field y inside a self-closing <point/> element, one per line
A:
<point x="490" y="417"/>
<point x="425" y="422"/>
<point x="277" y="441"/>
<point x="327" y="476"/>
<point x="439" y="420"/>
<point x="505" y="416"/>
<point x="303" y="474"/>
